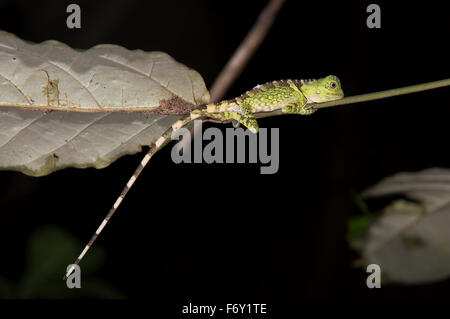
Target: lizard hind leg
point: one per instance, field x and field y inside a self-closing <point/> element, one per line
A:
<point x="244" y="116"/>
<point x="239" y="114"/>
<point x="251" y="123"/>
<point x="248" y="120"/>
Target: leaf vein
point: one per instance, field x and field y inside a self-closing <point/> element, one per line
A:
<point x="17" y="88"/>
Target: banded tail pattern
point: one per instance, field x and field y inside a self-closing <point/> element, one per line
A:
<point x="155" y="147"/>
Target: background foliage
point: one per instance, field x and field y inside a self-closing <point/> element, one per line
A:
<point x="286" y="238"/>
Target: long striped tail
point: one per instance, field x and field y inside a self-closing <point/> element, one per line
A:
<point x="155" y="147"/>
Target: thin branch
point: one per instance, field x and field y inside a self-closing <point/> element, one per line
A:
<point x="242" y="55"/>
<point x="370" y="96"/>
<point x="246" y="50"/>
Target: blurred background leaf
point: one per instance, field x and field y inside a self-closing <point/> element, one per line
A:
<point x="409" y="239"/>
<point x="48" y="251"/>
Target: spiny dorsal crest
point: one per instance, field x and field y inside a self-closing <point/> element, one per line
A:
<point x="308" y="81"/>
<point x="267" y="86"/>
<point x="274" y="84"/>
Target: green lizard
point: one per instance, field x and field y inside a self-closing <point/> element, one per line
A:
<point x="291" y="96"/>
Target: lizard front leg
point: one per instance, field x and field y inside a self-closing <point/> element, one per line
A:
<point x="298" y="108"/>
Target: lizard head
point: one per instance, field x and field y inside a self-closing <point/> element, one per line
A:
<point x="323" y="90"/>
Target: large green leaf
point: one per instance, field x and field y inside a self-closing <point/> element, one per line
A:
<point x="64" y="108"/>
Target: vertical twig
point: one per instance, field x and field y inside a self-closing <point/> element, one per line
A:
<point x="246" y="50"/>
<point x="242" y="55"/>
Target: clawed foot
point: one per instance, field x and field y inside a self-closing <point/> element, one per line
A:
<point x="307" y="109"/>
<point x="251" y="124"/>
<point x="303" y="110"/>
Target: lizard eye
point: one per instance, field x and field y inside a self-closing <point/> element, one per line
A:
<point x="333" y="85"/>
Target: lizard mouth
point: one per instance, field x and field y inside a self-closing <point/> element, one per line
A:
<point x="326" y="98"/>
<point x="332" y="96"/>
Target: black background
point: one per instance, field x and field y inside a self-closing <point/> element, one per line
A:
<point x="224" y="232"/>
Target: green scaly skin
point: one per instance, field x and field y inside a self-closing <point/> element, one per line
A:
<point x="291" y="96"/>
